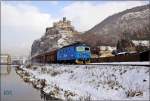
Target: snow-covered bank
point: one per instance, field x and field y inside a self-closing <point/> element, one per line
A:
<point x="91" y="82"/>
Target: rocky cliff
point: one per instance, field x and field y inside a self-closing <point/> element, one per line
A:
<point x="61" y="34"/>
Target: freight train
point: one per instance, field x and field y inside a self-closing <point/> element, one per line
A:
<point x="75" y="53"/>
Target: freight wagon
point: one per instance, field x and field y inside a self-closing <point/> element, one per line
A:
<point x="50" y="57"/>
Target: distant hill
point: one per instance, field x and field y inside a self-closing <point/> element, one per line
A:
<point x="132" y="24"/>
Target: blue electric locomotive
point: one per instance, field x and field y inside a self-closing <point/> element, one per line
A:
<point x="74" y="53"/>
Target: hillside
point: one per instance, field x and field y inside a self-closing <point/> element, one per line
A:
<point x="131" y="23"/>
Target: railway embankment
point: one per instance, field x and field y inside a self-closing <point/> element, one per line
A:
<point x="84" y="82"/>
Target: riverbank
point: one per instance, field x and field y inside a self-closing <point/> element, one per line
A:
<point x="13" y="88"/>
<point x="89" y="82"/>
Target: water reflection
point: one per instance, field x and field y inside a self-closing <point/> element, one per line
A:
<point x="13" y="87"/>
<point x="5" y="69"/>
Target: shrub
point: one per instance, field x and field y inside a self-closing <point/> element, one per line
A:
<point x="54" y="73"/>
<point x="132" y="93"/>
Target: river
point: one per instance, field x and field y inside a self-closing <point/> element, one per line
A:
<point x="13" y="88"/>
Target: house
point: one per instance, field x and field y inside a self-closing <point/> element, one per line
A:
<point x="141" y="42"/>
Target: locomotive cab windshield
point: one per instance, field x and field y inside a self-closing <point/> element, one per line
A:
<point x="82" y="48"/>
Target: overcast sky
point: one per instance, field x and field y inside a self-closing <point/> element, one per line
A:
<point x="24" y="21"/>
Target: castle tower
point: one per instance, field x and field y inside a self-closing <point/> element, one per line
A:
<point x="64" y="19"/>
<point x="64" y="24"/>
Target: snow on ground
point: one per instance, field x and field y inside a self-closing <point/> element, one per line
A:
<point x="94" y="82"/>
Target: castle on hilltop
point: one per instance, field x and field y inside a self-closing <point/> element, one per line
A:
<point x="63" y="24"/>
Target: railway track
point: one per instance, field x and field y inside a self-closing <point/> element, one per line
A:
<point x="114" y="64"/>
<point x="147" y="65"/>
